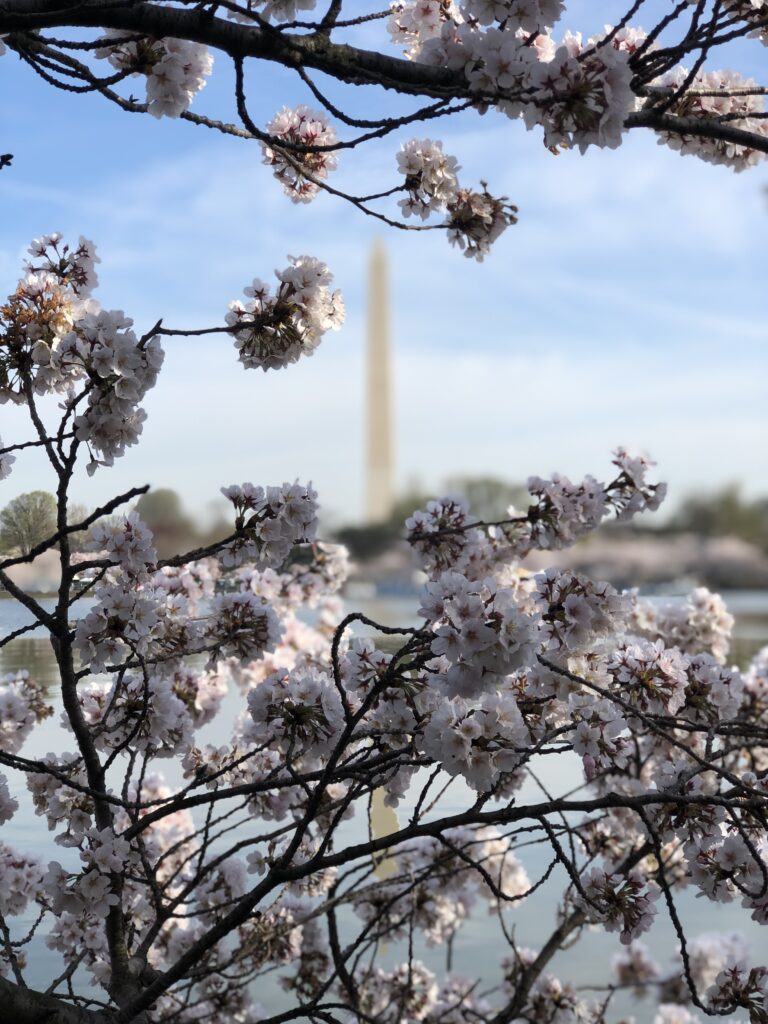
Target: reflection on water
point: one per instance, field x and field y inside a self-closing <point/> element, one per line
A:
<point x="36" y="656"/>
<point x="476" y="950"/>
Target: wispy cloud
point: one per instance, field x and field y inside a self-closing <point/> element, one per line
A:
<point x="625" y="307"/>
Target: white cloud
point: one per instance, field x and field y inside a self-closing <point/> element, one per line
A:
<point x="625" y="307"/>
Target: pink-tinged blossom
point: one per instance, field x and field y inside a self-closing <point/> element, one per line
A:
<point x="412" y="22"/>
<point x="21" y="875"/>
<point x="476" y="220"/>
<point x="300" y="711"/>
<point x="552" y="1000"/>
<point x="529" y="15"/>
<point x="74" y="267"/>
<point x="105" y="851"/>
<point x="724" y="94"/>
<point x="410" y="989"/>
<point x="273" y="330"/>
<point x="128" y="541"/>
<point x="61" y="804"/>
<point x="8" y="805"/>
<point x="714" y="693"/>
<point x="481" y="635"/>
<point x="430" y="177"/>
<point x="243" y="626"/>
<point x="188" y="584"/>
<point x="623" y="903"/>
<point x="94" y="889"/>
<point x="293" y="128"/>
<point x="147" y="713"/>
<point x="636" y="967"/>
<point x="754" y="12"/>
<point x="100" y="346"/>
<point x="650" y="677"/>
<point x="22" y="706"/>
<point x="175" y="69"/>
<point x="601" y="735"/>
<point x="445" y="536"/>
<point x="708" y="954"/>
<point x="124" y="619"/>
<point x="628" y="38"/>
<point x="7" y="459"/>
<point x="441" y="533"/>
<point x="363" y="665"/>
<point x="580" y="95"/>
<point x="270" y="522"/>
<point x="575" y="612"/>
<point x="739" y="986"/>
<point x="701" y="624"/>
<point x="480" y="741"/>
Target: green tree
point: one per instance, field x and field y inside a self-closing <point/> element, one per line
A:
<point x="488" y="497"/>
<point x="725" y="513"/>
<point x="27" y="520"/>
<point x="164" y="514"/>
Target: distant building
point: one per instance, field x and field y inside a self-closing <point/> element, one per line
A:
<point x="379" y="457"/>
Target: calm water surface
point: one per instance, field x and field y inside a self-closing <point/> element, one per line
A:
<point x="478" y="946"/>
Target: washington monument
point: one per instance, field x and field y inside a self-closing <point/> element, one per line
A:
<point x="379" y="462"/>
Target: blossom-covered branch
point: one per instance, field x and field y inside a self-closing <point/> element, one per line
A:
<point x="171" y="900"/>
<point x="442" y="56"/>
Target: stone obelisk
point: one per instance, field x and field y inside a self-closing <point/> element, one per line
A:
<point x="379" y="462"/>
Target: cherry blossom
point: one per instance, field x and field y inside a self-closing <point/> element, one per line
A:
<point x="294" y="168"/>
<point x="174" y="68"/>
<point x="274" y="330"/>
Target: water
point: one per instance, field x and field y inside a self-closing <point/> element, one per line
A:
<point x="478" y="946"/>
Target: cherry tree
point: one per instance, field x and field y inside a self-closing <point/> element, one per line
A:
<point x="190" y="872"/>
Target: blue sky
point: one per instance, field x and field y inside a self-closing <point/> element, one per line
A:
<point x="626" y="307"/>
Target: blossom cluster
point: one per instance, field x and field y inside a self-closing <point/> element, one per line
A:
<point x="718" y="964"/>
<point x="269" y="522"/>
<point x="579" y="93"/>
<point x="7" y="459"/>
<point x="430" y="177"/>
<point x="754" y="12"/>
<point x="474" y="219"/>
<point x="294" y="166"/>
<point x="273" y="330"/>
<point x="127" y="542"/>
<point x="8" y="805"/>
<point x="447" y="534"/>
<point x="480" y="632"/>
<point x="175" y="69"/>
<point x="699" y="624"/>
<point x="22" y="706"/>
<point x="300" y="711"/>
<point x="621" y="903"/>
<point x="59" y="340"/>
<point x="726" y="96"/>
<point x="60" y="337"/>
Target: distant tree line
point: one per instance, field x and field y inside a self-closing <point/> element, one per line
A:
<point x="725" y="513"/>
<point x="30" y="518"/>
